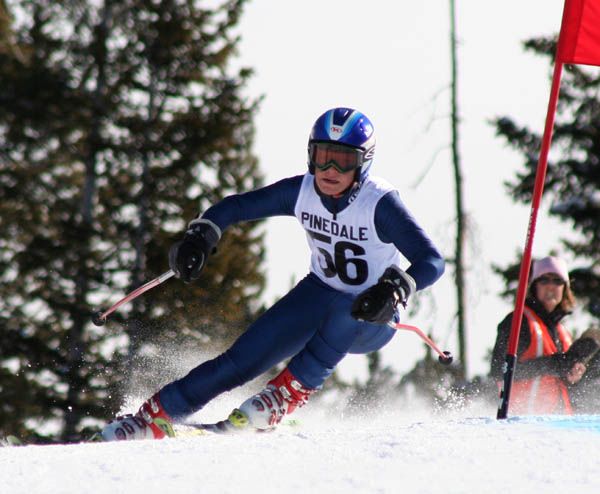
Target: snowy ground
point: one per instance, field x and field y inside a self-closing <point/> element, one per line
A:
<point x="392" y="453"/>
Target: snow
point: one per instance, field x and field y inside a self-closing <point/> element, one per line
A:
<point x="416" y="452"/>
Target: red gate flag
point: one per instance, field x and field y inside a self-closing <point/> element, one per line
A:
<point x="579" y="41"/>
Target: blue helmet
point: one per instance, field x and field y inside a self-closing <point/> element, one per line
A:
<point x="346" y="127"/>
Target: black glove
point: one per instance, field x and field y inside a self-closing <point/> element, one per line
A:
<point x="377" y="304"/>
<point x="583" y="348"/>
<point x="188" y="256"/>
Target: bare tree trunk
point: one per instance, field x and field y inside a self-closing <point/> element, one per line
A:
<point x="142" y="234"/>
<point x="76" y="335"/>
<point x="459" y="277"/>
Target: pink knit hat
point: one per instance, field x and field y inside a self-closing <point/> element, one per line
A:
<point x="554" y="265"/>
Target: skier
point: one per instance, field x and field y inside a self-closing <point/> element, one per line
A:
<point x="550" y="366"/>
<point x="357" y="228"/>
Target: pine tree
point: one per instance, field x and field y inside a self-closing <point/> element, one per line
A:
<point x="573" y="176"/>
<point x="120" y="122"/>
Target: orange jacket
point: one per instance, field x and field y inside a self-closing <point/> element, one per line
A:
<point x="542" y="394"/>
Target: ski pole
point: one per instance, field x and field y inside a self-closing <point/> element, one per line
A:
<point x="444" y="358"/>
<point x="99" y="318"/>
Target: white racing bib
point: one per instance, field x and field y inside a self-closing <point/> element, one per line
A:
<point x="346" y="253"/>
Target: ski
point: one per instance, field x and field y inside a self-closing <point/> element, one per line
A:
<point x="13" y="441"/>
<point x="236" y="422"/>
<point x="181" y="431"/>
<point x="186" y="430"/>
<point x="10" y="440"/>
<point x="199" y="429"/>
<point x="226" y="426"/>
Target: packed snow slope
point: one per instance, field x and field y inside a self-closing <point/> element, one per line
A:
<point x="389" y="453"/>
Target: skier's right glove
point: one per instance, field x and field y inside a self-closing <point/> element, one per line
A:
<point x="378" y="303"/>
<point x="188" y="256"/>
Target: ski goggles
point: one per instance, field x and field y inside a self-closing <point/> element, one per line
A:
<point x="324" y="155"/>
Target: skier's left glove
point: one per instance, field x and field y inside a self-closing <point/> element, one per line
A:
<point x="378" y="303"/>
<point x="188" y="256"/>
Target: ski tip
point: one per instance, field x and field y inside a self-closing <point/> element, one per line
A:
<point x="11" y="440"/>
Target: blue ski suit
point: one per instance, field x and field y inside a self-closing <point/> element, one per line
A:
<point x="311" y="325"/>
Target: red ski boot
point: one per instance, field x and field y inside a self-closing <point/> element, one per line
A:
<point x="281" y="397"/>
<point x="150" y="422"/>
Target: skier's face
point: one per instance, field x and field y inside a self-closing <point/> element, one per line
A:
<point x="333" y="183"/>
<point x="549" y="291"/>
